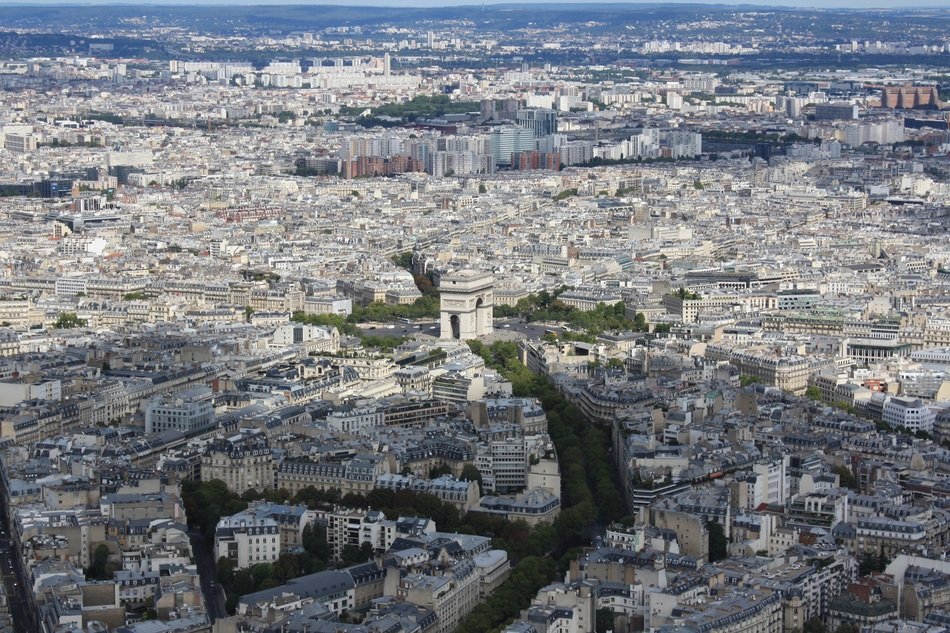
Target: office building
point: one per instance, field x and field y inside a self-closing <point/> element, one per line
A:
<point x="188" y="411"/>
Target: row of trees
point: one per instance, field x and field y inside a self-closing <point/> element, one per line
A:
<point x="345" y="327"/>
<point x="565" y="194"/>
<point x="545" y="306"/>
<point x="508" y="600"/>
<point x="382" y="343"/>
<point x="370" y="122"/>
<point x="206" y="502"/>
<point x="327" y="320"/>
<point x="425" y="106"/>
<point x="425" y="307"/>
<point x="589" y="494"/>
<point x="687" y="295"/>
<point x="68" y="320"/>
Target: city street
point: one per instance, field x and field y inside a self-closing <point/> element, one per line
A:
<point x="515" y="327"/>
<point x="204" y="560"/>
<point x="11" y="571"/>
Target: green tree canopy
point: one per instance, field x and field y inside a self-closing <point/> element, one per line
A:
<point x="68" y="320"/>
<point x="846" y="477"/>
<point x="717" y="542"/>
<point x="101" y="567"/>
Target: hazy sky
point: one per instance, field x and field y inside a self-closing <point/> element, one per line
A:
<point x="853" y="4"/>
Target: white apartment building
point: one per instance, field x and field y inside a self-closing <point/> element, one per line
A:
<point x="328" y="305"/>
<point x="13" y="392"/>
<point x="503" y="465"/>
<point x="777" y="479"/>
<point x="355" y="527"/>
<point x="768" y="482"/>
<point x="314" y="337"/>
<point x="247" y="540"/>
<point x="692" y="310"/>
<point x="355" y="419"/>
<point x="908" y="413"/>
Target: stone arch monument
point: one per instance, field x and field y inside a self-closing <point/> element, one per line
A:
<point x="467" y="300"/>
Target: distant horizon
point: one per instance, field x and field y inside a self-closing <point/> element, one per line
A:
<point x="430" y="4"/>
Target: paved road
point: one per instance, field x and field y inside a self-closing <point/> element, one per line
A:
<point x="204" y="560"/>
<point x="12" y="575"/>
<point x="524" y="330"/>
<point x="504" y="329"/>
<point x="401" y="329"/>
